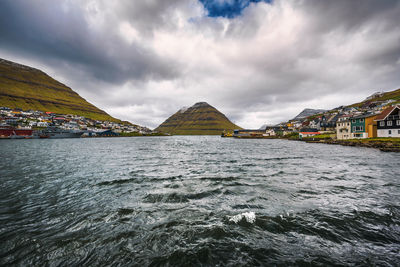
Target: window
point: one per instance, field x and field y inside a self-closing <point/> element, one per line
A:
<point x="398" y="131"/>
<point x="353" y="121"/>
<point x="382" y="123"/>
<point x="358" y="128"/>
<point x="398" y="122"/>
<point x="389" y="123"/>
<point x="361" y="120"/>
<point x="390" y="131"/>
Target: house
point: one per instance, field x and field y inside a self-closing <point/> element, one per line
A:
<point x="308" y="130"/>
<point x="316" y="123"/>
<point x="108" y="133"/>
<point x="249" y="133"/>
<point x="364" y="126"/>
<point x="388" y="122"/>
<point x="270" y="132"/>
<point x="42" y="124"/>
<point x="308" y="134"/>
<point x="328" y="122"/>
<point x="343" y="128"/>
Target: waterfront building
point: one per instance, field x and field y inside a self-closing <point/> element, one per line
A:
<point x="388" y="122"/>
<point x="364" y="126"/>
<point x="108" y="133"/>
<point x="308" y="134"/>
<point x="343" y="128"/>
<point x="249" y="133"/>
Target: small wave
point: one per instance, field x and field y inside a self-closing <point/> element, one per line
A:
<point x="125" y="211"/>
<point x="219" y="179"/>
<point x="246" y="206"/>
<point x="307" y="192"/>
<point x="114" y="182"/>
<point x="179" y="197"/>
<point x="167" y="198"/>
<point x="282" y="158"/>
<point x="249" y="217"/>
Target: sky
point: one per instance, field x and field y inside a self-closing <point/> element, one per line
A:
<point x="258" y="62"/>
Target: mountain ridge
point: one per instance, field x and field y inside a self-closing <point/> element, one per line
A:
<point x="308" y="112"/>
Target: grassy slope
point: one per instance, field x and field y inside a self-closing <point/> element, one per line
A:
<point x="395" y="95"/>
<point x="197" y="121"/>
<point x="28" y="88"/>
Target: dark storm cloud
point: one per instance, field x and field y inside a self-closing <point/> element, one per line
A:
<point x="49" y="29"/>
<point x="351" y="15"/>
<point x="149" y="15"/>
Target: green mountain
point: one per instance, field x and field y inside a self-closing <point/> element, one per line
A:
<point x="380" y="96"/>
<point x="28" y="88"/>
<point x="200" y="119"/>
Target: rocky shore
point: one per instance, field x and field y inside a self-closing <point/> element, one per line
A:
<point x="383" y="144"/>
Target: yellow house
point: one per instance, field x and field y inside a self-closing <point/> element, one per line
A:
<point x="370" y="126"/>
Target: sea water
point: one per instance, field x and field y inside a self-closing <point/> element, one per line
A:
<point x="197" y="201"/>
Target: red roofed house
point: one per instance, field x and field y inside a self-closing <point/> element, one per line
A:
<point x="388" y="122"/>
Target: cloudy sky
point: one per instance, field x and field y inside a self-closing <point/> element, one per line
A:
<point x="256" y="61"/>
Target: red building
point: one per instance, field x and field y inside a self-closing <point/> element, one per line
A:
<point x="9" y="132"/>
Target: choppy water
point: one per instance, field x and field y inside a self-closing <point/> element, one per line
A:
<point x="197" y="201"/>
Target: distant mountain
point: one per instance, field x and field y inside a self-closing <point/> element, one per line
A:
<point x="265" y="126"/>
<point x="308" y="112"/>
<point x="199" y="119"/>
<point x="29" y="88"/>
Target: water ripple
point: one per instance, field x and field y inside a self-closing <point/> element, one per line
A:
<point x="170" y="201"/>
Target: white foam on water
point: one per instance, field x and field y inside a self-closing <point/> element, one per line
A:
<point x="250" y="217"/>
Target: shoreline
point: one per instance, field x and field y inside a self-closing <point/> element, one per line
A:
<point x="383" y="144"/>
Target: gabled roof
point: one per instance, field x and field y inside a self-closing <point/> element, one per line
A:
<point x="386" y="113"/>
<point x="362" y="116"/>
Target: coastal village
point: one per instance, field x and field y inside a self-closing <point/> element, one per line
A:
<point x="18" y="124"/>
<point x="371" y="119"/>
<point x="34" y="105"/>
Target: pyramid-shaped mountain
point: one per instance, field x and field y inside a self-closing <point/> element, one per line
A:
<point x="199" y="119"/>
